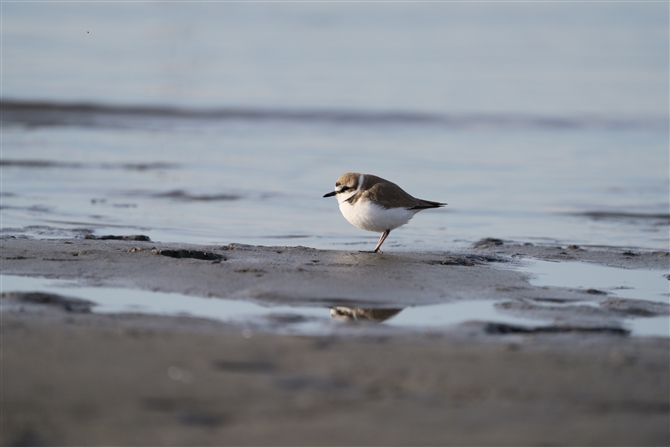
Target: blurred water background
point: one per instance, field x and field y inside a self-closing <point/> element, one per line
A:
<point x="227" y="122"/>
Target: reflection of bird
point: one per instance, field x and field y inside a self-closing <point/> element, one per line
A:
<point x="356" y="313"/>
<point x="374" y="204"/>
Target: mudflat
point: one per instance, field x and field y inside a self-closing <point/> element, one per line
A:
<point x="71" y="376"/>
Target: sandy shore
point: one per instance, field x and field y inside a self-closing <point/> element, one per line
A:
<point x="71" y="377"/>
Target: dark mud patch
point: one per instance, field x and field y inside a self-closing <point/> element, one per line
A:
<point x="47" y="164"/>
<point x="595" y="292"/>
<point x="286" y="318"/>
<point x="556" y="300"/>
<point x="140" y="166"/>
<point x="75" y="305"/>
<point x="247" y="270"/>
<point x="185" y="196"/>
<point x="504" y="329"/>
<point x="569" y="310"/>
<point x="136" y="237"/>
<point x="191" y="254"/>
<point x="40" y="164"/>
<point x="181" y="254"/>
<point x="467" y="260"/>
<point x="488" y="242"/>
<point x="616" y="215"/>
<point x="630" y="253"/>
<point x="279" y="249"/>
<point x="258" y="272"/>
<point x="637" y="308"/>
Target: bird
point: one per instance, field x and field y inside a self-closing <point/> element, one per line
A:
<point x="374" y="204"/>
<point x="357" y="313"/>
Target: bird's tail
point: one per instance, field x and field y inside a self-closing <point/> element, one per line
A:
<point x="427" y="204"/>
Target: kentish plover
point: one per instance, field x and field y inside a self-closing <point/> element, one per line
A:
<point x="374" y="204"/>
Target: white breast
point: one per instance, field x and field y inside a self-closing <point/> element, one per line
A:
<point x="369" y="216"/>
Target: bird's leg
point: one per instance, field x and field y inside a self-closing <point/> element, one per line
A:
<point x="381" y="240"/>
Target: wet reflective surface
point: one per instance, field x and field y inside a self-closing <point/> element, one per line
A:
<point x="644" y="285"/>
<point x="210" y="132"/>
<point x="21" y="291"/>
<point x="650" y="285"/>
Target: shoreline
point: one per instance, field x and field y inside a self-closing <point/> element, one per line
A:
<point x="82" y="378"/>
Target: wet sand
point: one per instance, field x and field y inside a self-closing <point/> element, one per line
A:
<point x="79" y="378"/>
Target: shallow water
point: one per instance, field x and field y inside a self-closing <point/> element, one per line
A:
<point x="298" y="319"/>
<point x="262" y="182"/>
<point x="227" y="122"/>
<point x="649" y="285"/>
<point x="276" y="318"/>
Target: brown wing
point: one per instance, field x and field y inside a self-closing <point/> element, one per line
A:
<point x="392" y="195"/>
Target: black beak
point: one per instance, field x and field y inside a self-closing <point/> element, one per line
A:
<point x="330" y="194"/>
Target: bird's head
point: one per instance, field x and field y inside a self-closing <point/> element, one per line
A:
<point x="346" y="186"/>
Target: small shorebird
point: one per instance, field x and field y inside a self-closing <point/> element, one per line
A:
<point x="374" y="204"/>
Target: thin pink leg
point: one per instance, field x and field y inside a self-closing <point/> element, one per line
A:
<point x="381" y="240"/>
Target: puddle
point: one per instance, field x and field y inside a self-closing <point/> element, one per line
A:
<point x="644" y="285"/>
<point x="456" y="313"/>
<point x="293" y="319"/>
<point x="650" y="327"/>
<point x="121" y="300"/>
<point x="649" y="285"/>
